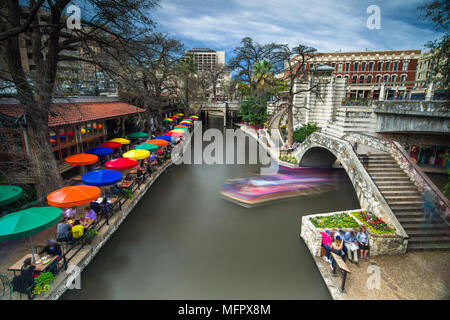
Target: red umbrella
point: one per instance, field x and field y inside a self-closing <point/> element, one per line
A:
<point x="121" y="164"/>
<point x="111" y="145"/>
<point x="173" y="134"/>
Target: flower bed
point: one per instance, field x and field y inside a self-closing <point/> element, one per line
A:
<point x="290" y="159"/>
<point x="342" y="220"/>
<point x="375" y="224"/>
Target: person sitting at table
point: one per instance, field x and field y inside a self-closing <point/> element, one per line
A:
<point x="153" y="158"/>
<point x="94" y="205"/>
<point x="90" y="214"/>
<point x="104" y="206"/>
<point x="52" y="249"/>
<point x="25" y="280"/>
<point x="63" y="231"/>
<point x="77" y="230"/>
<point x="70" y="213"/>
<point x="128" y="178"/>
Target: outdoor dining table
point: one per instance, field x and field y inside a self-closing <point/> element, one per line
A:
<point x="125" y="184"/>
<point x="40" y="267"/>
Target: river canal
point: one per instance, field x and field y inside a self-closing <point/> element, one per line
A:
<point x="184" y="241"/>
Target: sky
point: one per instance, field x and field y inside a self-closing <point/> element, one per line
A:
<point x="327" y="25"/>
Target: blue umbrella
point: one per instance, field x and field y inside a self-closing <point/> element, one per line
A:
<point x="167" y="138"/>
<point x="101" y="177"/>
<point x="99" y="151"/>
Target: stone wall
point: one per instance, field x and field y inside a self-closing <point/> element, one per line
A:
<point x="380" y="244"/>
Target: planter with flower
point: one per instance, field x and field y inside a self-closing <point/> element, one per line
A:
<point x="373" y="223"/>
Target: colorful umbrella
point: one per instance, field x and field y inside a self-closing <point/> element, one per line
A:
<point x="167" y="120"/>
<point x="186" y="121"/>
<point x="111" y="145"/>
<point x="120" y="140"/>
<point x="193" y="117"/>
<point x="166" y="138"/>
<point x="73" y="196"/>
<point x="81" y="159"/>
<point x="100" y="151"/>
<point x="180" y="114"/>
<point x="27" y="222"/>
<point x="178" y="130"/>
<point x="158" y="142"/>
<point x="101" y="177"/>
<point x="173" y="134"/>
<point x="182" y="126"/>
<point x="138" y="135"/>
<point x="121" y="164"/>
<point x="9" y="194"/>
<point x="147" y="146"/>
<point x="137" y="154"/>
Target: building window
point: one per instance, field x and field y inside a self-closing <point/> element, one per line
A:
<point x="361" y="79"/>
<point x="378" y="78"/>
<point x="369" y="79"/>
<point x="355" y="66"/>
<point x="363" y="66"/>
<point x="386" y="78"/>
<point x="402" y="79"/>
<point x="387" y="66"/>
<point x="394" y="78"/>
<point x="346" y="79"/>
<point x="395" y="66"/>
<point x="340" y="67"/>
<point x="370" y="66"/>
<point x="405" y="65"/>
<point x="333" y="65"/>
<point x="354" y="78"/>
<point x="347" y="67"/>
<point x="380" y="66"/>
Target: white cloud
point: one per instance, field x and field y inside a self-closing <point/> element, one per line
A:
<point x="328" y="25"/>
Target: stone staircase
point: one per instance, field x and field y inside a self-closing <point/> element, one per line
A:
<point x="406" y="202"/>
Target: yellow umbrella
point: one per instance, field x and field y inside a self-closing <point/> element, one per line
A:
<point x="180" y="114"/>
<point x="120" y="140"/>
<point x="178" y="130"/>
<point x="137" y="154"/>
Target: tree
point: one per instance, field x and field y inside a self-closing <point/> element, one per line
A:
<point x="438" y="12"/>
<point x="188" y="88"/>
<point x="247" y="54"/>
<point x="254" y="109"/>
<point x="300" y="78"/>
<point x="213" y="76"/>
<point x="109" y="23"/>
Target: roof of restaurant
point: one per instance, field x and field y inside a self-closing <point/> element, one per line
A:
<point x="76" y="112"/>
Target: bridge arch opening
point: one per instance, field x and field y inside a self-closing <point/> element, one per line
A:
<point x="317" y="157"/>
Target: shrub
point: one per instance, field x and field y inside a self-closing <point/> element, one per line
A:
<point x="341" y="220"/>
<point x="42" y="283"/>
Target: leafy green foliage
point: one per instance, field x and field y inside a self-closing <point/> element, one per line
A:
<point x="300" y="134"/>
<point x="254" y="110"/>
<point x="290" y="159"/>
<point x="42" y="283"/>
<point x="341" y="220"/>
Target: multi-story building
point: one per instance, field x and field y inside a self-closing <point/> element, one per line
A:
<point x="206" y="60"/>
<point x="385" y="75"/>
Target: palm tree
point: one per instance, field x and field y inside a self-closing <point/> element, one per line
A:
<point x="262" y="75"/>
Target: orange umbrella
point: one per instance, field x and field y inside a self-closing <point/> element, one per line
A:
<point x="158" y="142"/>
<point x="81" y="159"/>
<point x="73" y="196"/>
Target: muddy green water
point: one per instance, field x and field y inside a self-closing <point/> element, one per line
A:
<point x="183" y="241"/>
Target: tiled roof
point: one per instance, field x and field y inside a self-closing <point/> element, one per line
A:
<point x="74" y="113"/>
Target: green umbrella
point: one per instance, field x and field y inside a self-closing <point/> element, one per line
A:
<point x="147" y="146"/>
<point x="138" y="135"/>
<point x="28" y="222"/>
<point x="9" y="194"/>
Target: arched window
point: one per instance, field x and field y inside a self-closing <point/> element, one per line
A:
<point x="354" y="78"/>
<point x="363" y="66"/>
<point x="361" y="79"/>
<point x="370" y="66"/>
<point x="378" y="78"/>
<point x="386" y="78"/>
<point x="394" y="78"/>
<point x="402" y="79"/>
<point x="369" y="79"/>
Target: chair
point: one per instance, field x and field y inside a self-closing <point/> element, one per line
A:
<point x="20" y="284"/>
<point x="6" y="284"/>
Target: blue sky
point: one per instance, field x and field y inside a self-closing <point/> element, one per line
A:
<point x="328" y="25"/>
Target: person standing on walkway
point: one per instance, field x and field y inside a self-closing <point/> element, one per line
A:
<point x="352" y="246"/>
<point x="363" y="241"/>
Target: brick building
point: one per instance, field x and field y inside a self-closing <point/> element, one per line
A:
<point x="387" y="75"/>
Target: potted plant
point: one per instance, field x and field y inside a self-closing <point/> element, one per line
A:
<point x="42" y="283"/>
